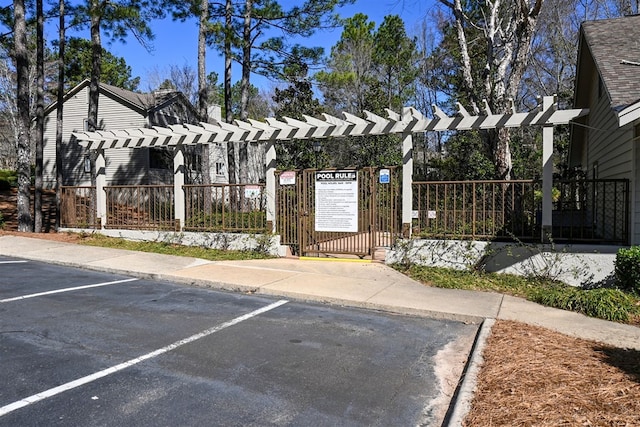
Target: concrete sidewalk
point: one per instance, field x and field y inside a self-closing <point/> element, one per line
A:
<point x="355" y="284"/>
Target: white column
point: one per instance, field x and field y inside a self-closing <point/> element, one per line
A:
<point x="270" y="162"/>
<point x="547" y="173"/>
<point x="178" y="183"/>
<point x="101" y="196"/>
<point x="407" y="181"/>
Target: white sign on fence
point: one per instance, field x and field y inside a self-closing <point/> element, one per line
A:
<point x="288" y="178"/>
<point x="251" y="191"/>
<point x="336" y="201"/>
<point x="385" y="176"/>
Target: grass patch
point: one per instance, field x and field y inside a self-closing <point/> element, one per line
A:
<point x="471" y="280"/>
<point x="168" y="248"/>
<point x="603" y="303"/>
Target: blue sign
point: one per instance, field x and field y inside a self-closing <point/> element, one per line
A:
<point x="385" y="176"/>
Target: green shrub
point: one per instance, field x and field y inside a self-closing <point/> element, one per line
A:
<point x="603" y="303"/>
<point x="627" y="269"/>
<point x="8" y="179"/>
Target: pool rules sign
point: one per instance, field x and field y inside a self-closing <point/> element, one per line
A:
<point x="337" y="201"/>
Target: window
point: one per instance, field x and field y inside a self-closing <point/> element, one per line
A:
<point x="160" y="158"/>
<point x="219" y="168"/>
<point x="193" y="158"/>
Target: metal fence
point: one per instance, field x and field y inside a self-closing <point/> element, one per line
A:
<point x="225" y="207"/>
<point x="288" y="212"/>
<point x="78" y="207"/>
<point x="474" y="209"/>
<point x="140" y="207"/>
<point x="583" y="210"/>
<point x="591" y="210"/>
<point x="595" y="211"/>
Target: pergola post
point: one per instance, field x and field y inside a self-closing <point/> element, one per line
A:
<point x="270" y="163"/>
<point x="273" y="131"/>
<point x="178" y="186"/>
<point x="101" y="195"/>
<point x="547" y="173"/>
<point x="407" y="183"/>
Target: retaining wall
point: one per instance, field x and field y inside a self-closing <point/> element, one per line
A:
<point x="577" y="265"/>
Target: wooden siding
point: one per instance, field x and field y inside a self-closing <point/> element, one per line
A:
<point x="608" y="144"/>
<point x="635" y="188"/>
<point x="613" y="149"/>
<point x="75" y="111"/>
<point x="122" y="165"/>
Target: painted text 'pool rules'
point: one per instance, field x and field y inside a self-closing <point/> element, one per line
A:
<point x="337" y="201"/>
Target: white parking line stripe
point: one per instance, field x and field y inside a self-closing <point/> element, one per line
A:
<point x="57" y="291"/>
<point x="12" y="262"/>
<point x="89" y="378"/>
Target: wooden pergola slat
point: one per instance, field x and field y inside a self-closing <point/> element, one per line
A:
<point x="409" y="121"/>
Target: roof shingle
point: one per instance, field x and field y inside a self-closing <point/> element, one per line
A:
<point x="615" y="47"/>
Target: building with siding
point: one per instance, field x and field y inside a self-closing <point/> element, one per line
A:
<point x="604" y="144"/>
<point x="122" y="109"/>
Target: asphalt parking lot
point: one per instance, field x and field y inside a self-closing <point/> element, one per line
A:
<point x="84" y="348"/>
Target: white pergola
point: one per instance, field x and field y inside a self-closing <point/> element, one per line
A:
<point x="272" y="131"/>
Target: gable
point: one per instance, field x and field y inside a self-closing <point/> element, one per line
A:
<point x="611" y="47"/>
<point x="160" y="108"/>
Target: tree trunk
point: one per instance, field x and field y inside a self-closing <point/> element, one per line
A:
<point x="94" y="84"/>
<point x="243" y="154"/>
<point x="96" y="67"/>
<point x="466" y="58"/>
<point x="228" y="114"/>
<point x="203" y="91"/>
<point x="23" y="143"/>
<point x="203" y="95"/>
<point x="508" y="30"/>
<point x="502" y="154"/>
<point x="37" y="202"/>
<point x="59" y="116"/>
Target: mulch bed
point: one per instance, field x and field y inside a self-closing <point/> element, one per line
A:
<point x="536" y="377"/>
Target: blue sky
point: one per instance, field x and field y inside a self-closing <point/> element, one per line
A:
<point x="176" y="43"/>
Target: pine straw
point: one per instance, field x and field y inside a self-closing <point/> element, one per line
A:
<point x="535" y="377"/>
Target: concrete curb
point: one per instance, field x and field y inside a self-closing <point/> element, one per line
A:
<point x="465" y="394"/>
<point x="256" y="290"/>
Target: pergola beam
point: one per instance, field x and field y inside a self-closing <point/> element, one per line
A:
<point x="405" y="123"/>
<point x="410" y="121"/>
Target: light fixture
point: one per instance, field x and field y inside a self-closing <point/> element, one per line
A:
<point x="317" y="146"/>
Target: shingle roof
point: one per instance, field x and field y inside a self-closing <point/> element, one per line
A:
<point x="615" y="47"/>
<point x="144" y="101"/>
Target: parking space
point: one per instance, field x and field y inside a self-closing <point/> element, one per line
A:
<point x="88" y="348"/>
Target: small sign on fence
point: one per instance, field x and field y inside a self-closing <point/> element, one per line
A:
<point x="251" y="191"/>
<point x="385" y="176"/>
<point x="288" y="178"/>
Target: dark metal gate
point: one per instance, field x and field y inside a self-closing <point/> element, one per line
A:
<point x="377" y="224"/>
